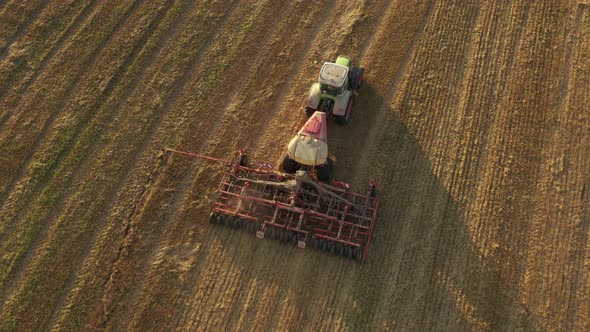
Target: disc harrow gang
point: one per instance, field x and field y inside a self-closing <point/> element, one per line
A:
<point x="294" y="208"/>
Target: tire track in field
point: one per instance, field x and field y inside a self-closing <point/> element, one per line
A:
<point x="555" y="262"/>
<point x="188" y="175"/>
<point x="80" y="19"/>
<point x="367" y="156"/>
<point x="482" y="88"/>
<point x="61" y="104"/>
<point x="48" y="221"/>
<point x="479" y="232"/>
<point x="74" y="203"/>
<point x="457" y="23"/>
<point x="151" y="250"/>
<point x="126" y="175"/>
<point x="514" y="152"/>
<point x="176" y="91"/>
<point x="24" y="264"/>
<point x="522" y="17"/>
<point x="8" y="211"/>
<point x="485" y="84"/>
<point x="227" y="105"/>
<point x="225" y="130"/>
<point x="132" y="57"/>
<point x="579" y="313"/>
<point x="259" y="14"/>
<point x="77" y="173"/>
<point x="506" y="128"/>
<point x="453" y="70"/>
<point x="15" y="208"/>
<point x="22" y="29"/>
<point x="13" y="224"/>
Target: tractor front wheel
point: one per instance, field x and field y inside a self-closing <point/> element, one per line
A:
<point x="343" y="119"/>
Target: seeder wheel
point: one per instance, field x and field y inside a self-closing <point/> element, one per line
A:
<point x="347" y="252"/>
<point x="357" y="254"/>
<point x="213" y="217"/>
<point x="233" y="221"/>
<point x="221" y="219"/>
<point x="330" y="247"/>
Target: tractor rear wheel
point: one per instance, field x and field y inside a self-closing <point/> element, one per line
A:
<point x="343" y="119"/>
<point x="324" y="172"/>
<point x="290" y="165"/>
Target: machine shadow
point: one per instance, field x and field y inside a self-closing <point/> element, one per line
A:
<point x="423" y="271"/>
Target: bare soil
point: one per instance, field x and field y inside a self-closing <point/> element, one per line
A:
<point x="473" y="120"/>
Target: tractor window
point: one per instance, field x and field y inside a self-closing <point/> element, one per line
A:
<point x="330" y="90"/>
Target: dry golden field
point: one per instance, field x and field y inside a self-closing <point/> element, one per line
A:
<point x="474" y="119"/>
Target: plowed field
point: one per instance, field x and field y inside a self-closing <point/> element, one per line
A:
<point x="474" y="119"/>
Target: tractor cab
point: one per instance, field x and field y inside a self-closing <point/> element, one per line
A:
<point x="332" y="78"/>
<point x="332" y="94"/>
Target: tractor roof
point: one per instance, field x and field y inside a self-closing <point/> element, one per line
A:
<point x="333" y="74"/>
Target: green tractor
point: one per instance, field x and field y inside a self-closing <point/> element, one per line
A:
<point x="338" y="82"/>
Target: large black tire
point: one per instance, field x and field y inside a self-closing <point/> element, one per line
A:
<point x="343" y="119"/>
<point x="213" y="217"/>
<point x="325" y="171"/>
<point x="234" y="221"/>
<point x="243" y="160"/>
<point x="290" y="165"/>
<point x="221" y="219"/>
<point x="309" y="111"/>
<point x="356" y="78"/>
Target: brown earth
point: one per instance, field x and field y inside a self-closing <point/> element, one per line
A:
<point x="473" y="120"/>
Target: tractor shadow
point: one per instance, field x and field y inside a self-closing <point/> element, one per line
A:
<point x="423" y="270"/>
<point x="346" y="142"/>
